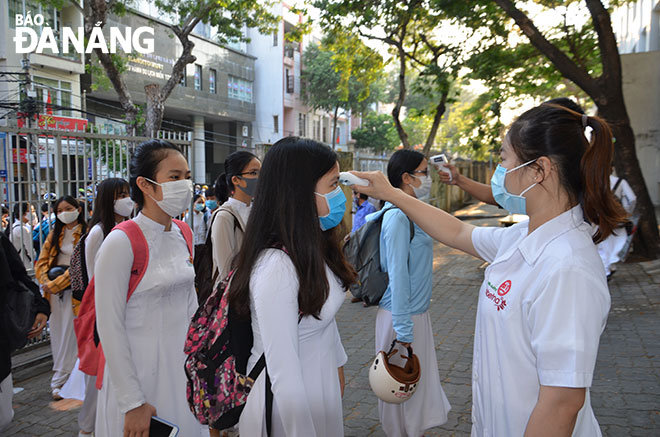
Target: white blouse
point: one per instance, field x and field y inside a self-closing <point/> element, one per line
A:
<point x="66" y="248"/>
<point x="143" y="338"/>
<point x="542" y="308"/>
<point x="92" y="245"/>
<point x="302" y="359"/>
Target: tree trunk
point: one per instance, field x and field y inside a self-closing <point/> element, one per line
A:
<point x="396" y="112"/>
<point x="439" y="112"/>
<point x="334" y="128"/>
<point x="607" y="92"/>
<point x="155" y="109"/>
<point x="647" y="240"/>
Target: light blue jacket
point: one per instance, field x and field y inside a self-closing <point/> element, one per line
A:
<point x="409" y="265"/>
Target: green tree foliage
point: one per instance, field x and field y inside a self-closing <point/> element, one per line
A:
<point x="408" y="28"/>
<point x="341" y="73"/>
<point x="521" y="52"/>
<point x="376" y="133"/>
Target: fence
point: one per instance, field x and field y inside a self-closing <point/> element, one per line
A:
<point x="41" y="165"/>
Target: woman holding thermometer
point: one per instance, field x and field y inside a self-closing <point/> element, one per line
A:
<point x="544" y="301"/>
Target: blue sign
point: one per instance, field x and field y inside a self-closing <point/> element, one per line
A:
<point x="89" y="168"/>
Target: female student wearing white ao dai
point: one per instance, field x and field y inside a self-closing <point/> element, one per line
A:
<point x="290" y="279"/>
<point x="143" y="338"/>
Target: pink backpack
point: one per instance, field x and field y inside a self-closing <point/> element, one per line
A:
<point x="90" y="351"/>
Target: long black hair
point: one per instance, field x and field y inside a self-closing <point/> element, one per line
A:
<point x="57" y="230"/>
<point x="144" y="162"/>
<point x="284" y="214"/>
<point x="234" y="166"/>
<point x="104" y="204"/>
<point x="402" y="161"/>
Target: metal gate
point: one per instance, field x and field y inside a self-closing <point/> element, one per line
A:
<point x="38" y="166"/>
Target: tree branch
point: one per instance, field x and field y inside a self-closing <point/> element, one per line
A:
<point x="609" y="53"/>
<point x="564" y="64"/>
<point x="439" y="112"/>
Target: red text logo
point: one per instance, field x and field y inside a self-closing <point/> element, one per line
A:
<point x="504" y="288"/>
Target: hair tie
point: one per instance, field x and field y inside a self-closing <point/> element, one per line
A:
<point x="585" y="119"/>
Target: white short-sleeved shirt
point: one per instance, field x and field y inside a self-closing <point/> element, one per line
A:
<point x="542" y="308"/>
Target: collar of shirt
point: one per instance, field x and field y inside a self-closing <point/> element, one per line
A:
<point x="535" y="243"/>
<point x="238" y="204"/>
<point x="150" y="228"/>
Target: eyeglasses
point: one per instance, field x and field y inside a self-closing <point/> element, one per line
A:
<point x="424" y="172"/>
<point x="254" y="173"/>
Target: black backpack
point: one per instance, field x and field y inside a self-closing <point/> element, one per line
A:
<point x="362" y="251"/>
<point x="205" y="275"/>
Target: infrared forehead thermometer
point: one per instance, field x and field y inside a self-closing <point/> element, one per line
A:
<point x="438" y="161"/>
<point x="346" y="178"/>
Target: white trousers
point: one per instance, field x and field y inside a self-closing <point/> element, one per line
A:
<point x="428" y="406"/>
<point x="62" y="338"/>
<point x="87" y="415"/>
<point x="6" y="396"/>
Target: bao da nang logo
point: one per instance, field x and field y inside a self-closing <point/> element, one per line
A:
<point x="27" y="41"/>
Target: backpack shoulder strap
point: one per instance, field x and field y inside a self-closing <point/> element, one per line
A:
<point x="187" y="234"/>
<point x="140" y="253"/>
<point x="616" y="185"/>
<point x="237" y="223"/>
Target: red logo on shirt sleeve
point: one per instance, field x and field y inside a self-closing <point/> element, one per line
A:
<point x="504" y="288"/>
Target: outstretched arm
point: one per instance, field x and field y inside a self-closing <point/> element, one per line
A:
<point x="440" y="225"/>
<point x="479" y="191"/>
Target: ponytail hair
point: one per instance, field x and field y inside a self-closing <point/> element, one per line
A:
<point x="598" y="202"/>
<point x="234" y="166"/>
<point x="557" y="132"/>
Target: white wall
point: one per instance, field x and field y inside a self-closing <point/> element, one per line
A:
<point x="637" y="26"/>
<point x="268" y="82"/>
<point x="641" y="92"/>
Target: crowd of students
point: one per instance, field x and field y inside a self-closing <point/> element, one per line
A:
<point x="276" y="226"/>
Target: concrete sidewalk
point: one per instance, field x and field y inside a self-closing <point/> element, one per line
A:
<point x="625" y="392"/>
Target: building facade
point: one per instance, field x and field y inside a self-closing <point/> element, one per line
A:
<point x="280" y="110"/>
<point x="637" y="28"/>
<point x="215" y="100"/>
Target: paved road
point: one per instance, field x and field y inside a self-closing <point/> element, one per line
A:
<point x="625" y="393"/>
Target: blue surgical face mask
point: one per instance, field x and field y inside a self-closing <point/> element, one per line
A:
<point x="515" y="204"/>
<point x="211" y="204"/>
<point x="199" y="207"/>
<point x="336" y="201"/>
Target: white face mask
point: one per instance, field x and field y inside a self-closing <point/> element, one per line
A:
<point x="176" y="196"/>
<point x="423" y="192"/>
<point x="124" y="207"/>
<point x="68" y="217"/>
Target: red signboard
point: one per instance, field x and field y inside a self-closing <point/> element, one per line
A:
<point x="22" y="154"/>
<point x="54" y="122"/>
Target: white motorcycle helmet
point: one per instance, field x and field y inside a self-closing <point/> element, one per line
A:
<point x="392" y="383"/>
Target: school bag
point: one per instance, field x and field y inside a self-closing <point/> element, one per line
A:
<point x="218" y="347"/>
<point x="90" y="351"/>
<point x="362" y="251"/>
<point x="78" y="270"/>
<point x="205" y="275"/>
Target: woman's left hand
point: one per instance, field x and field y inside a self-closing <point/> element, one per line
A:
<point x="38" y="325"/>
<point x="342" y="380"/>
